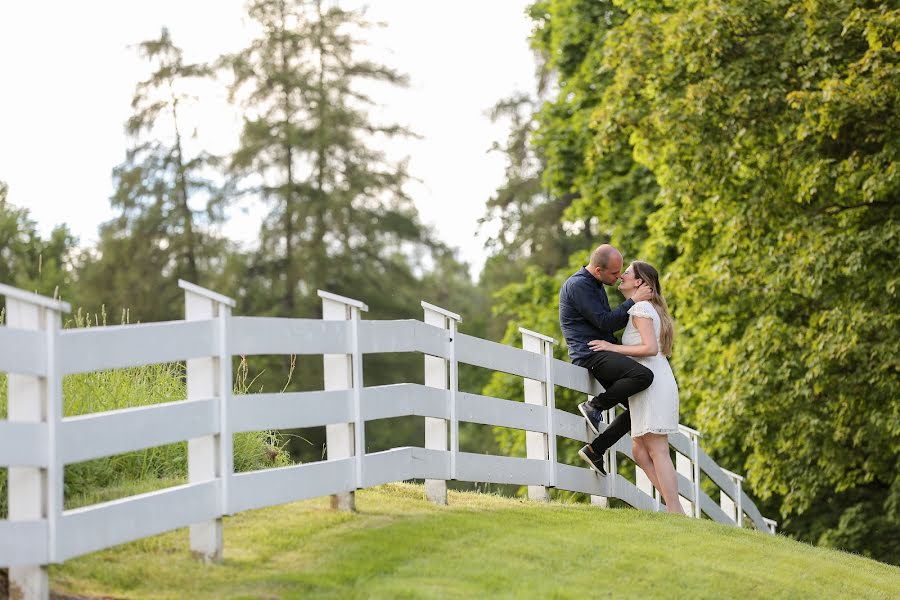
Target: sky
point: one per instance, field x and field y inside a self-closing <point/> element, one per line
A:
<point x="68" y="71"/>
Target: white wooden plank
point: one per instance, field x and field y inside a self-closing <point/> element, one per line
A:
<point x="584" y="480"/>
<point x="430" y="464"/>
<point x="486" y="410"/>
<point x="23" y="444"/>
<point x="205" y="293"/>
<point x="34" y="299"/>
<point x="403" y="336"/>
<point x="258" y="412"/>
<point x="287" y="484"/>
<point x="23" y="543"/>
<point x="573" y="427"/>
<point x="713" y="511"/>
<point x="714" y="472"/>
<point x="105" y="525"/>
<point x="99" y="348"/>
<point x="631" y="495"/>
<point x="500" y="469"/>
<point x="271" y="335"/>
<point x="404" y="399"/>
<point x="749" y="508"/>
<point x="114" y="432"/>
<point x="499" y="357"/>
<point x="23" y="351"/>
<point x="387" y="467"/>
<point x="681" y="443"/>
<point x="343" y="300"/>
<point x="575" y="378"/>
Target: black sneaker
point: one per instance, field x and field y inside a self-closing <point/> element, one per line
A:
<point x="593" y="459"/>
<point x="592" y="415"/>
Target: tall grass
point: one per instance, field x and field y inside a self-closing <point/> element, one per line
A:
<point x="116" y="389"/>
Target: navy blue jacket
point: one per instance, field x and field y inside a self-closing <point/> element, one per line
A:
<point x="584" y="314"/>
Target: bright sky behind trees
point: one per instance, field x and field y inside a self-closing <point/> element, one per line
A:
<point x="69" y="71"/>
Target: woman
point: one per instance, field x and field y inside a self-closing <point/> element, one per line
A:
<point x="648" y="339"/>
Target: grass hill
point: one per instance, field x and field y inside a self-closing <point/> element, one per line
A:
<point x="400" y="546"/>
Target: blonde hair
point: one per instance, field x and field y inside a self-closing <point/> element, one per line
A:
<point x="646" y="273"/>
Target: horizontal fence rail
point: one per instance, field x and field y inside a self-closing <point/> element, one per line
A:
<point x="36" y="441"/>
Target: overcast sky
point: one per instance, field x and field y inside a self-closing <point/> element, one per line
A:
<point x="67" y="74"/>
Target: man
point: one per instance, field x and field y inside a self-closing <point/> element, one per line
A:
<point x="584" y="315"/>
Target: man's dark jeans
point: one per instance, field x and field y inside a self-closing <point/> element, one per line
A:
<point x="621" y="377"/>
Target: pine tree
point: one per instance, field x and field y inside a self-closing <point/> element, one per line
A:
<point x="159" y="235"/>
<point x="339" y="217"/>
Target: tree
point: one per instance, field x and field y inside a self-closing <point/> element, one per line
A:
<point x="30" y="262"/>
<point x="160" y="234"/>
<point x="770" y="133"/>
<point x="340" y="219"/>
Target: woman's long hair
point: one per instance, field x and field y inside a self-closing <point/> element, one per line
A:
<point x="646" y="273"/>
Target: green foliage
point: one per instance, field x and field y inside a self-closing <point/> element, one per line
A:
<point x="339" y="218"/>
<point x="750" y="150"/>
<point x="27" y="261"/>
<point x="400" y="546"/>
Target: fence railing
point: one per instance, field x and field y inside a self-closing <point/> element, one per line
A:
<point x="36" y="441"/>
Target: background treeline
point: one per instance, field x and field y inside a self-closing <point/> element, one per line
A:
<point x="748" y="149"/>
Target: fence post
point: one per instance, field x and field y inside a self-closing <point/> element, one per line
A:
<point x="34" y="493"/>
<point x="211" y="456"/>
<point x="730" y="500"/>
<point x="689" y="466"/>
<point x="541" y="446"/>
<point x="771" y="525"/>
<point x="342" y="372"/>
<point x="443" y="374"/>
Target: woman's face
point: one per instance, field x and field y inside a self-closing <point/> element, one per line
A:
<point x="629" y="282"/>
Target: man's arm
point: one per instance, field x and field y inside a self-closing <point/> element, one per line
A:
<point x="595" y="311"/>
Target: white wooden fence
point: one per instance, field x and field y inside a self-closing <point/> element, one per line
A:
<point x="36" y="441"/>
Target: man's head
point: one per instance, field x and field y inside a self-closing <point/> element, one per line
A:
<point x="606" y="264"/>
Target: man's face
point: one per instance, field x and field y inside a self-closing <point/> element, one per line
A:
<point x="610" y="275"/>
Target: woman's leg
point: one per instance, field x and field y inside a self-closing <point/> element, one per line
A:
<point x="642" y="458"/>
<point x="658" y="449"/>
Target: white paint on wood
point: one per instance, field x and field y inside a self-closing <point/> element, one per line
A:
<point x="405" y="399"/>
<point x="437" y="376"/>
<point x="572" y="426"/>
<point x="536" y="442"/>
<point x="260" y="412"/>
<point x="339" y="375"/>
<point x="575" y="378"/>
<point x="32" y="299"/>
<point x="202" y="292"/>
<point x="23" y="444"/>
<point x="498" y="357"/>
<point x="121" y="346"/>
<point x="270" y="487"/>
<point x="205" y="453"/>
<point x="23" y="543"/>
<point x="343" y="300"/>
<point x="249" y="336"/>
<point x="91" y="528"/>
<point x="441" y="311"/>
<point x="501" y="469"/>
<point x="474" y="408"/>
<point x="115" y="432"/>
<point x="22" y="351"/>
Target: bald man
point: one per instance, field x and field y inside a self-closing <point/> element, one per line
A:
<point x="584" y="315"/>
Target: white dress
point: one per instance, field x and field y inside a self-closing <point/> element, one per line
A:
<point x="655" y="410"/>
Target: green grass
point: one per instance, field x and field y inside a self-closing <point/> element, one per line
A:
<point x="400" y="546"/>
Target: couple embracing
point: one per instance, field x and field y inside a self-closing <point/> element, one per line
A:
<point x="635" y="373"/>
